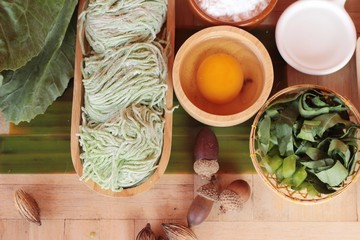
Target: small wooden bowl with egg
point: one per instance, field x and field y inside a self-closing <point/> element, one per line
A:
<point x="245" y="14"/>
<point x="222" y="49"/>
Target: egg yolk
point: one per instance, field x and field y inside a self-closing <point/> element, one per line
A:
<point x="219" y="78"/>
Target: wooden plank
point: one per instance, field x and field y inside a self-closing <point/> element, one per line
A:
<point x="49" y="229"/>
<point x="268" y="206"/>
<point x="63" y="201"/>
<point x="278" y="230"/>
<point x="341" y="209"/>
<point x="22" y="229"/>
<point x="82" y="229"/>
<point x="99" y="229"/>
<point x="14" y="229"/>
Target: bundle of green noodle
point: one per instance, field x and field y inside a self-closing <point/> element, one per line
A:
<point x="119" y="77"/>
<point x="123" y="151"/>
<point x="124" y="78"/>
<point x="115" y="23"/>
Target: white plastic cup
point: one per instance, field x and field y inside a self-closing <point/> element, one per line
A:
<point x="316" y="37"/>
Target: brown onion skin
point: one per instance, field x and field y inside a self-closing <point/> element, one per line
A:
<point x="199" y="210"/>
<point x="206" y="145"/>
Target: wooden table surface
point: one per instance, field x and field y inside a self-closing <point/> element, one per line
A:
<point x="69" y="210"/>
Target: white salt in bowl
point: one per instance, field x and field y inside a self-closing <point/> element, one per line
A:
<point x="252" y="13"/>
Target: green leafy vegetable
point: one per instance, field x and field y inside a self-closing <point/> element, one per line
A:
<point x="25" y="25"/>
<point x="315" y="140"/>
<point x="308" y="110"/>
<point x="29" y="90"/>
<point x="289" y="166"/>
<point x="328" y="121"/>
<point x="264" y="134"/>
<point x="308" y="130"/>
<point x="299" y="176"/>
<point x="334" y="175"/>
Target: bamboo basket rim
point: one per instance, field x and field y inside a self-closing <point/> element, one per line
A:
<point x="163" y="161"/>
<point x="283" y="191"/>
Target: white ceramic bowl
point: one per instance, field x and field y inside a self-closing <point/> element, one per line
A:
<point x="316" y="37"/>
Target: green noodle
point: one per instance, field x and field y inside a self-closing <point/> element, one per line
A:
<point x="119" y="77"/>
<point x="123" y="151"/>
<point x="124" y="78"/>
<point x="111" y="24"/>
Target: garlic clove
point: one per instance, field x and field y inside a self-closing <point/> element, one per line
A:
<point x="199" y="210"/>
<point x="176" y="231"/>
<point x="27" y="206"/>
<point x="146" y="233"/>
<point x="234" y="196"/>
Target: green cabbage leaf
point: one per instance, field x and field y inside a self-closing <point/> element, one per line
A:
<point x="30" y="89"/>
<point x="24" y="27"/>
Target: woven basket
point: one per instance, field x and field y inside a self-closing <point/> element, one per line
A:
<point x="300" y="197"/>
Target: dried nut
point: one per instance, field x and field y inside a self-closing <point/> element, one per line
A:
<point x="27" y="206"/>
<point x="206" y="168"/>
<point x="146" y="233"/>
<point x="234" y="196"/>
<point x="199" y="210"/>
<point x="176" y="231"/>
<point x="206" y="145"/>
<point x="206" y="153"/>
<point x="209" y="191"/>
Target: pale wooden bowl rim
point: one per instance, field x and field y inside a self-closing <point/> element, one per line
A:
<point x="351" y="180"/>
<point x="247" y="39"/>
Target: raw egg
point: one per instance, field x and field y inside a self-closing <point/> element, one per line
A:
<point x="219" y="78"/>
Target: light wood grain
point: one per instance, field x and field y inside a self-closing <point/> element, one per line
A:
<point x="99" y="229"/>
<point x="70" y="210"/>
<point x="278" y="230"/>
<point x="67" y="206"/>
<point x="67" y="198"/>
<point x="168" y="116"/>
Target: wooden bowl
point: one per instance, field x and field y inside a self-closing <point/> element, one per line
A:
<point x="251" y="22"/>
<point x="255" y="63"/>
<point x="78" y="94"/>
<point x="300" y="197"/>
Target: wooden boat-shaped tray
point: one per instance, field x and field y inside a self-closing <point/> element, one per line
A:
<point x="78" y="94"/>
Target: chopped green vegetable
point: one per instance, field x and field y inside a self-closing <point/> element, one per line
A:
<point x="334" y="175"/>
<point x="264" y="134"/>
<point x="308" y="130"/>
<point x="313" y="135"/>
<point x="299" y="176"/>
<point x="289" y="166"/>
